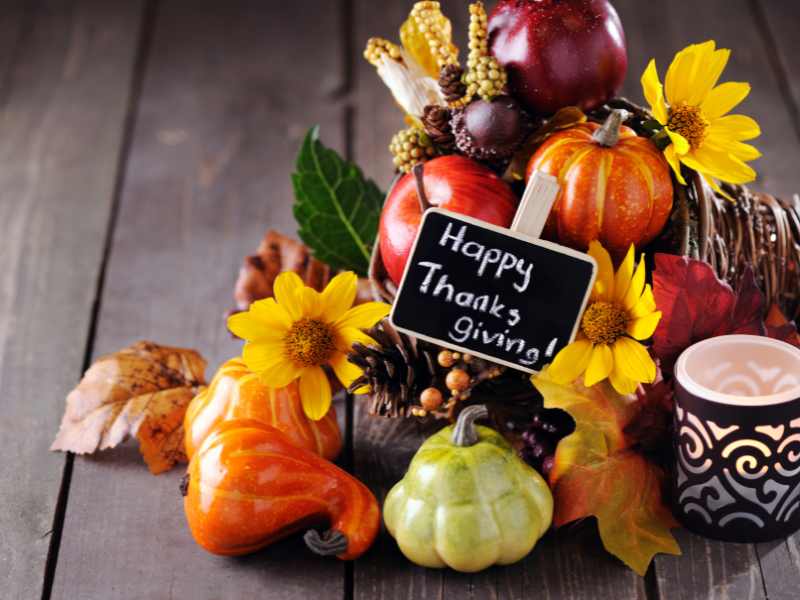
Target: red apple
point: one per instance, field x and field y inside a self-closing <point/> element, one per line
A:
<point x="451" y="182"/>
<point x="559" y="52"/>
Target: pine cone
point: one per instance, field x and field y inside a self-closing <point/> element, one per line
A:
<point x="451" y="84"/>
<point x="397" y="369"/>
<point x="436" y="120"/>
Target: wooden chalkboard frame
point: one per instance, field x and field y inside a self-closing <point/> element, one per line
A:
<point x="510" y="233"/>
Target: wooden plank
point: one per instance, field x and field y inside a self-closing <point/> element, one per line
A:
<point x="229" y="91"/>
<point x="571" y="564"/>
<point x="780" y="560"/>
<point x="778" y="24"/>
<point x="65" y="73"/>
<point x="712" y="569"/>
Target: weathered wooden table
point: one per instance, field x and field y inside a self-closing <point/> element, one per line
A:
<point x="145" y="146"/>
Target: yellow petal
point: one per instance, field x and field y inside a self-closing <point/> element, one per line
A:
<point x="622" y="281"/>
<point x="709" y="69"/>
<point x="346" y="372"/>
<point x="604" y="284"/>
<point x="570" y="362"/>
<point x="624" y="385"/>
<point x="723" y="98"/>
<point x="280" y="374"/>
<point x="249" y="326"/>
<point x="348" y="336"/>
<point x="633" y="360"/>
<point x="637" y="286"/>
<point x="719" y="165"/>
<point x="315" y="393"/>
<point x="654" y="92"/>
<point x="734" y="127"/>
<point x="643" y="327"/>
<point x="339" y="295"/>
<point x="259" y="356"/>
<point x="600" y="364"/>
<point x="645" y="305"/>
<point x="286" y="287"/>
<point x="743" y="151"/>
<point x="310" y="302"/>
<point x="272" y="312"/>
<point x="681" y="72"/>
<point x="672" y="159"/>
<point x="679" y="143"/>
<point x="364" y="315"/>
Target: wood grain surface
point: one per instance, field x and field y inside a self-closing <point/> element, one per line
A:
<point x="65" y="74"/>
<point x="227" y="96"/>
<point x="145" y="148"/>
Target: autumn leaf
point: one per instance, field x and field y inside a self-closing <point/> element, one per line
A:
<point x="598" y="471"/>
<point x="696" y="305"/>
<point x="141" y="391"/>
<point x="781" y="328"/>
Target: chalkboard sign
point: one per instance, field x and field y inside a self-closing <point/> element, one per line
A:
<point x="492" y="292"/>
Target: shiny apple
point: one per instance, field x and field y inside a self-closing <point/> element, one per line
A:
<point x="559" y="52"/>
<point x="451" y="182"/>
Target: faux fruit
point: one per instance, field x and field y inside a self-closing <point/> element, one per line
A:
<point x="451" y="182"/>
<point x="490" y="131"/>
<point x="615" y="187"/>
<point x="248" y="485"/>
<point x="468" y="501"/>
<point x="238" y="393"/>
<point x="559" y="53"/>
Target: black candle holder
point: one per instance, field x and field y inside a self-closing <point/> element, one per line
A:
<point x="737" y="438"/>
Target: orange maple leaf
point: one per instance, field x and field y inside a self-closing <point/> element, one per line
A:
<point x="597" y="473"/>
<point x="141" y="391"/>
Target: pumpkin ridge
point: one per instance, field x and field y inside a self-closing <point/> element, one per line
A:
<point x="606" y="160"/>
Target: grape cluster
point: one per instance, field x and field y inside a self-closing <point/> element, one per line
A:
<point x="540" y="439"/>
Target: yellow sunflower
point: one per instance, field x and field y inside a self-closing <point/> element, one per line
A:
<point x="621" y="311"/>
<point x="298" y="331"/>
<point x="702" y="135"/>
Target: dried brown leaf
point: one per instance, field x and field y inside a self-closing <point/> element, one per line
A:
<point x="142" y="391"/>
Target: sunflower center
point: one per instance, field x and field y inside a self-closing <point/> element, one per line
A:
<point x="604" y="322"/>
<point x="689" y="122"/>
<point x="309" y="342"/>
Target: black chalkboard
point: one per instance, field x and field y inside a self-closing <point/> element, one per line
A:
<point x="492" y="292"/>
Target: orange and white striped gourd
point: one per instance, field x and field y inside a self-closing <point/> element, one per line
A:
<point x="238" y="393"/>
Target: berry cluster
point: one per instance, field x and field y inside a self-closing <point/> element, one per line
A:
<point x="464" y="373"/>
<point x="410" y="147"/>
<point x="539" y="441"/>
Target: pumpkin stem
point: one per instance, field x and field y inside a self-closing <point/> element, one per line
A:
<point x="330" y="543"/>
<point x="608" y="134"/>
<point x="464" y="433"/>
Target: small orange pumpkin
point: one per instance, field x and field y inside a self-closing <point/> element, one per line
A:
<point x="615" y="186"/>
<point x="238" y="393"/>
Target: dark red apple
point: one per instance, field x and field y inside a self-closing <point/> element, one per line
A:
<point x="451" y="182"/>
<point x="559" y="52"/>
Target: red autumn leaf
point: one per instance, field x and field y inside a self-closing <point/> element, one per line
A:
<point x="696" y="305"/>
<point x="781" y="328"/>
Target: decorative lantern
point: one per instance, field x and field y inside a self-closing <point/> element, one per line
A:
<point x="737" y="438"/>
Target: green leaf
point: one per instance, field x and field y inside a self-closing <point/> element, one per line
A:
<point x="336" y="208"/>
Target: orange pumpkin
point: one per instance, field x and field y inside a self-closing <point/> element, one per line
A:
<point x="238" y="393"/>
<point x="615" y="186"/>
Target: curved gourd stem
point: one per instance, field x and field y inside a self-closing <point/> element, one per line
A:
<point x="608" y="134"/>
<point x="464" y="433"/>
<point x="331" y="543"/>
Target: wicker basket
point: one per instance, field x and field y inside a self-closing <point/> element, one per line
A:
<point x="758" y="229"/>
